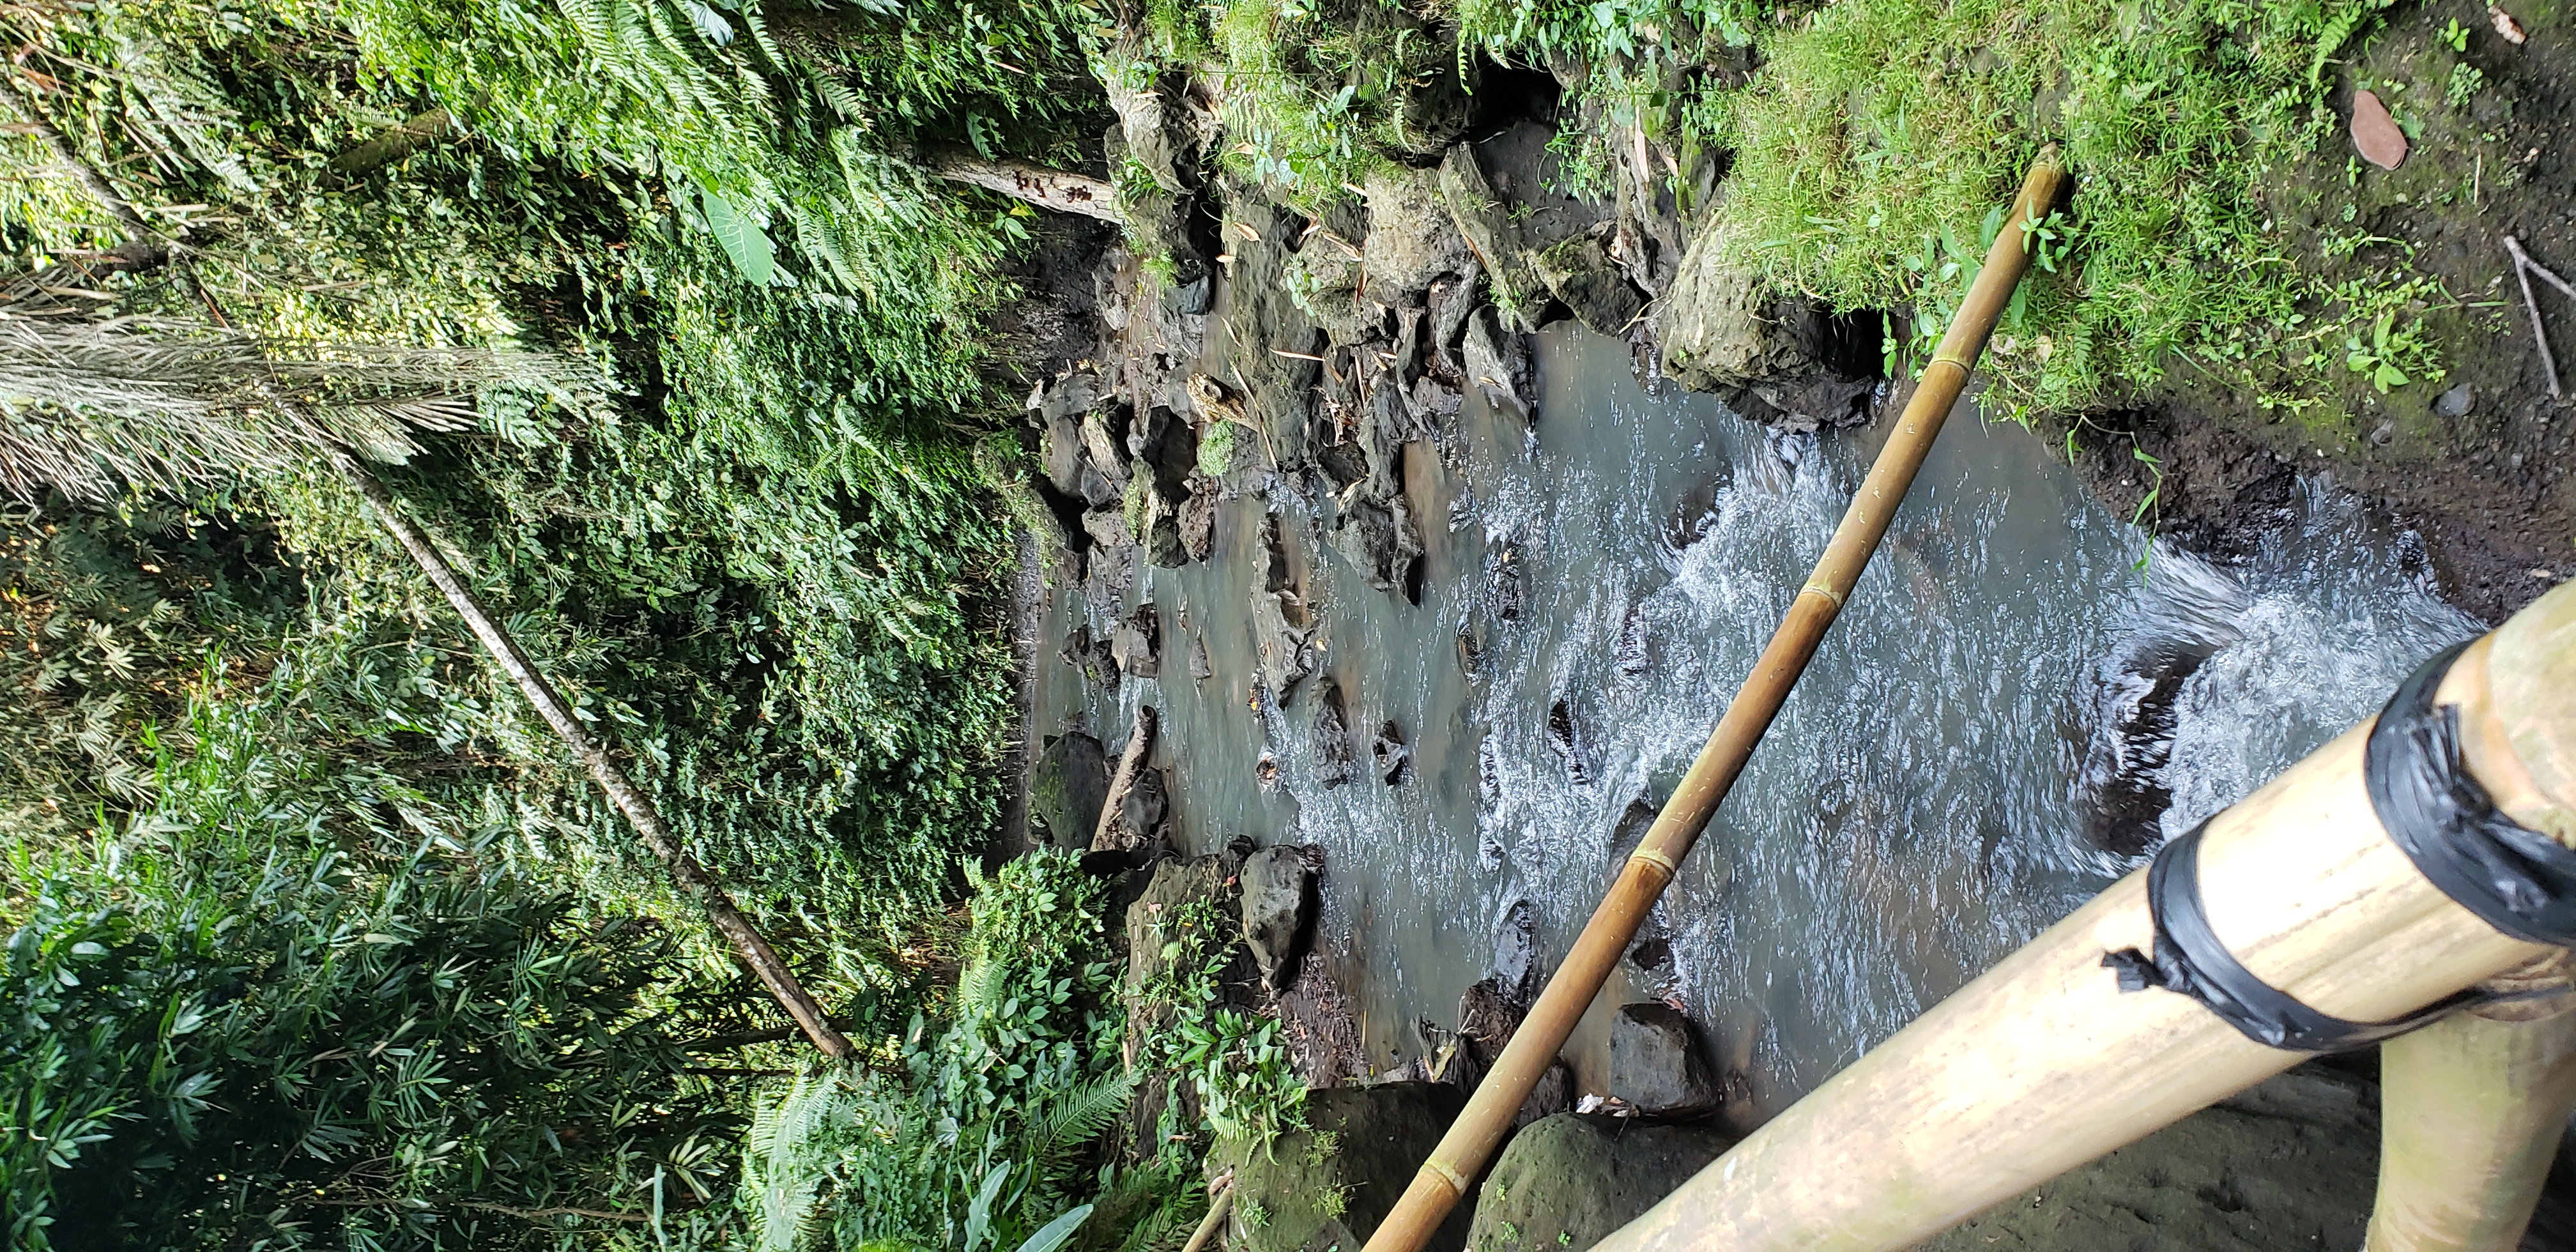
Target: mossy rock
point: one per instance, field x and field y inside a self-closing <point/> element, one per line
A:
<point x="1566" y="1182"/>
<point x="1328" y="1188"/>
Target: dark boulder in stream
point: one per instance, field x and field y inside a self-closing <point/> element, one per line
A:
<point x="1137" y="643"/>
<point x="1332" y="737"/>
<point x="1071" y="784"/>
<point x="1566" y="1182"/>
<point x="1330" y="1185"/>
<point x="1655" y="1064"/>
<point x="1580" y="273"/>
<point x="1278" y="908"/>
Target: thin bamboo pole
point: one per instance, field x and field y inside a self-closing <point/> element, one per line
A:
<point x="2473" y="1108"/>
<point x="630" y="801"/>
<point x="1219" y="1209"/>
<point x="2043" y="1064"/>
<point x="1489" y="1113"/>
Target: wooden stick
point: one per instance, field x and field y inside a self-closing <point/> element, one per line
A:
<point x="1218" y="1208"/>
<point x="1129" y="761"/>
<point x="2523" y="268"/>
<point x="692" y="876"/>
<point x="2043" y="1063"/>
<point x="1489" y="1113"/>
<point x="2472" y="1110"/>
<point x="1060" y="190"/>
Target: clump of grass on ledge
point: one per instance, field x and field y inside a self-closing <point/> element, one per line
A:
<point x="1879" y="135"/>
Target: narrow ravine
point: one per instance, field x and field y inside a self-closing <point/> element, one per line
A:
<point x="2024" y="695"/>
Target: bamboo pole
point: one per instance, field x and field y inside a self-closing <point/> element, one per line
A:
<point x="1480" y="1127"/>
<point x="638" y="809"/>
<point x="2043" y="1064"/>
<point x="2473" y="1108"/>
<point x="1219" y="1209"/>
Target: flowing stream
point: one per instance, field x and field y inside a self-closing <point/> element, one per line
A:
<point x="2022" y="696"/>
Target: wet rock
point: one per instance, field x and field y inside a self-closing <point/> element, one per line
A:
<point x="1412" y="239"/>
<point x="1159" y="531"/>
<point x="1137" y="643"/>
<point x="1568" y="1181"/>
<point x="1630" y="830"/>
<point x="1278" y="909"/>
<point x="1104" y="436"/>
<point x="1142" y="809"/>
<point x="1553" y="1094"/>
<point x="1516" y="964"/>
<point x="1571" y="741"/>
<point x="1497" y="362"/>
<point x="1091" y="656"/>
<point x="1166" y="447"/>
<point x="1490" y="1012"/>
<point x="1071" y="783"/>
<point x="1380" y="541"/>
<point x="1816" y="401"/>
<point x="1579" y="272"/>
<point x="1059" y="408"/>
<point x="1471" y="649"/>
<point x="1433" y="401"/>
<point x="1655" y="1064"/>
<point x="1092" y="486"/>
<point x="1332" y="737"/>
<point x="1196" y="527"/>
<point x="1200" y="670"/>
<point x="1281" y="642"/>
<point x="2458" y="402"/>
<point x="1636" y="652"/>
<point x="1312" y="1199"/>
<point x="1394" y="760"/>
<point x="1485" y="222"/>
<point x="1450" y="302"/>
<point x="1262" y="322"/>
<point x="1507" y="585"/>
<point x="1157" y="129"/>
<point x="2375" y="134"/>
<point x="1723" y="327"/>
<point x="1107" y="526"/>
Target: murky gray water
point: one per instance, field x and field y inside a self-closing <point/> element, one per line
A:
<point x="1919" y="809"/>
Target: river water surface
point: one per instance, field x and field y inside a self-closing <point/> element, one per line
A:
<point x="2023" y="694"/>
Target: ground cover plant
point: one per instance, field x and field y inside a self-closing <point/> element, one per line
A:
<point x="1865" y="144"/>
<point x="754" y="551"/>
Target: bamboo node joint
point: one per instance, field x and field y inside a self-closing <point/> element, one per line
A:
<point x="1441" y="1169"/>
<point x="1821" y="589"/>
<point x="1657" y="858"/>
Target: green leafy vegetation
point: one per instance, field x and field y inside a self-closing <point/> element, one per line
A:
<point x="291" y="1003"/>
<point x="1233" y="1060"/>
<point x="1867" y="142"/>
<point x="757" y="554"/>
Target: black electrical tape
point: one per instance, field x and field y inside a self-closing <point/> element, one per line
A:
<point x="2517" y="879"/>
<point x="2190" y="960"/>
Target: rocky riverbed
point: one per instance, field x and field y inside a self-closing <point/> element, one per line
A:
<point x="1244" y="385"/>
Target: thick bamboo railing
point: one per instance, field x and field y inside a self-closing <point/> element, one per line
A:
<point x="1480" y="1127"/>
<point x="2473" y="1108"/>
<point x="2044" y="1063"/>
